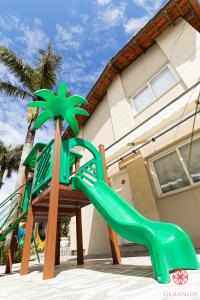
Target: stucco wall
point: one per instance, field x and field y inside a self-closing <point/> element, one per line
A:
<point x="179" y="45"/>
<point x="141" y="186"/>
<point x="183" y="209"/>
<point x="140" y="71"/>
<point x="120" y="109"/>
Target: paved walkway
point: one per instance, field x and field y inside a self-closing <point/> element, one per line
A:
<point x="97" y="279"/>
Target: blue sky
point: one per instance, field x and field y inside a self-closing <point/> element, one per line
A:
<point x="87" y="33"/>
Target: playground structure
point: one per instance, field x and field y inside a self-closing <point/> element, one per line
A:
<point x="55" y="191"/>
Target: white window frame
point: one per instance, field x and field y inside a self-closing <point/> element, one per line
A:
<point x="147" y="84"/>
<point x="164" y="153"/>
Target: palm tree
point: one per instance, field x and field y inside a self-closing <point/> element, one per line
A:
<point x="9" y="160"/>
<point x="30" y="78"/>
<point x="59" y="106"/>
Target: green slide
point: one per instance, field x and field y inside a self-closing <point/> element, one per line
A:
<point x="169" y="246"/>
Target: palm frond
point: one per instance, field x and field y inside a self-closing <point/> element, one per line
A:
<point x="42" y="118"/>
<point x="62" y="90"/>
<point x="59" y="105"/>
<point x="73" y="123"/>
<point x="17" y="66"/>
<point x="80" y="111"/>
<point x="10" y="90"/>
<point x="45" y="94"/>
<point x="10" y="158"/>
<point x="38" y="104"/>
<point x="45" y="75"/>
<point x="77" y="100"/>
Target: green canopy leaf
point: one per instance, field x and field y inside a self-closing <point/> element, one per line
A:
<point x="59" y="105"/>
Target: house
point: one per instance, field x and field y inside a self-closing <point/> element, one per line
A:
<point x="142" y="108"/>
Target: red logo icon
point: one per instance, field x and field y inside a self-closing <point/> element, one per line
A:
<point x="180" y="277"/>
<point x="123" y="181"/>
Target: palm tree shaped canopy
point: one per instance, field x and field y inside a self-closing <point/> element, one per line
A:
<point x="59" y="106"/>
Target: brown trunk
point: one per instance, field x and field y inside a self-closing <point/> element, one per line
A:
<point x="21" y="175"/>
<point x="11" y="251"/>
<point x="50" y="249"/>
<point x="28" y="145"/>
<point x="79" y="238"/>
<point x="2" y="171"/>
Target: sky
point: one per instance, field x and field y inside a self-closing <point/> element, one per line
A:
<point x="87" y="33"/>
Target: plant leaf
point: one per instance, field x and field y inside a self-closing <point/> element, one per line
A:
<point x="80" y="111"/>
<point x="17" y="66"/>
<point x="10" y="90"/>
<point x="42" y="118"/>
<point x="76" y="100"/>
<point x="71" y="120"/>
<point x="45" y="94"/>
<point x="62" y="90"/>
<point x="40" y="104"/>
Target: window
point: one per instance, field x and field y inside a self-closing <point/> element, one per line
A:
<point x="156" y="87"/>
<point x="191" y="156"/>
<point x="143" y="99"/>
<point x="178" y="168"/>
<point x="162" y="82"/>
<point x="170" y="173"/>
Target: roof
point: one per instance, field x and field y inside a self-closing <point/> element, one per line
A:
<point x="138" y="45"/>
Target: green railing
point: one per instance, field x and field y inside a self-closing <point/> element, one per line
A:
<point x="94" y="166"/>
<point x="43" y="169"/>
<point x="91" y="171"/>
<point x="88" y="172"/>
<point x="27" y="195"/>
<point x="12" y="206"/>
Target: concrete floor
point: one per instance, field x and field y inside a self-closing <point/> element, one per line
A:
<point x="97" y="279"/>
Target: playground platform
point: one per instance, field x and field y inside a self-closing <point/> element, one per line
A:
<point x="68" y="203"/>
<point x="98" y="279"/>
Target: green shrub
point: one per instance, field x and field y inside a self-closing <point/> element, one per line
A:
<point x="18" y="254"/>
<point x="4" y="251"/>
<point x="3" y="254"/>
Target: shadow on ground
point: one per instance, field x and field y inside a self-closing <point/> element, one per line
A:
<point x="103" y="266"/>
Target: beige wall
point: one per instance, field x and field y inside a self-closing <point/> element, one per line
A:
<point x="120" y="110"/>
<point x="179" y="46"/>
<point x="183" y="209"/>
<point x="173" y="136"/>
<point x="95" y="234"/>
<point x="141" y="186"/>
<point x="124" y="190"/>
<point x="100" y="123"/>
<point x="135" y="76"/>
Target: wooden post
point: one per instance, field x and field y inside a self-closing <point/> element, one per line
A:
<point x="57" y="257"/>
<point x="11" y="251"/>
<point x="112" y="235"/>
<point x="27" y="242"/>
<point x="50" y="249"/>
<point x="79" y="235"/>
<point x="79" y="238"/>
